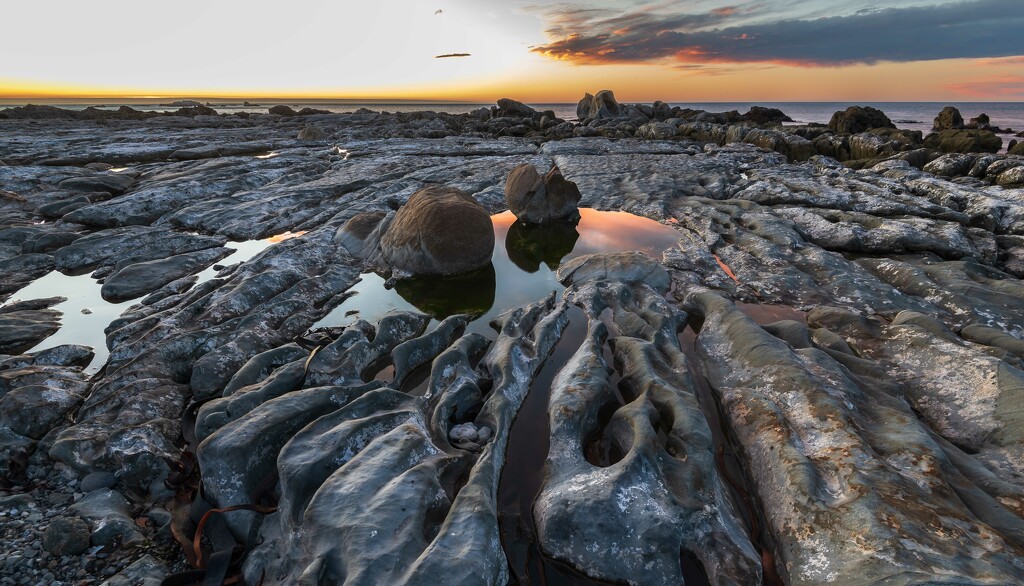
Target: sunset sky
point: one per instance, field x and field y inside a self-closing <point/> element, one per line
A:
<point x="695" y="50"/>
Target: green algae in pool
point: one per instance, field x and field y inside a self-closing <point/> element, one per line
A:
<point x="522" y="270"/>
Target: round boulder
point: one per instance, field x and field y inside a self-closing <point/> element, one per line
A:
<point x="440" y="231"/>
<point x="534" y="199"/>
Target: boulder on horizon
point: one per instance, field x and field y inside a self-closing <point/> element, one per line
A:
<point x="857" y="119"/>
<point x="948" y="119"/>
<point x="596" y="107"/>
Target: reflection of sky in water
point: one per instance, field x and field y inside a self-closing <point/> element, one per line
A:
<point x="515" y="287"/>
<point x="83" y="292"/>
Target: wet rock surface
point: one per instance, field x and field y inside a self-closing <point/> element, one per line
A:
<point x="820" y="381"/>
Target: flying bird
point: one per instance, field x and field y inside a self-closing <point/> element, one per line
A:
<point x="438" y="11"/>
<point x="447" y="55"/>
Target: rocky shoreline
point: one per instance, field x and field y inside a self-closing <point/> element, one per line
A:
<point x="872" y="434"/>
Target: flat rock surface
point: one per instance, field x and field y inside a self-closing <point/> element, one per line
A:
<point x="820" y="381"/>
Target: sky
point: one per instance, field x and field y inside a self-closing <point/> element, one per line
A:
<point x="479" y="50"/>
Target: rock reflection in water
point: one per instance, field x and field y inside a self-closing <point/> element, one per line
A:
<point x="439" y="296"/>
<point x="521" y="272"/>
<point x="528" y="246"/>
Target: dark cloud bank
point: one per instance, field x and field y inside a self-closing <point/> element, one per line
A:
<point x="977" y="28"/>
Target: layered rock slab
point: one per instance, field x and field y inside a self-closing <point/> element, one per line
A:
<point x="853" y="487"/>
<point x="374" y="458"/>
<point x="664" y="500"/>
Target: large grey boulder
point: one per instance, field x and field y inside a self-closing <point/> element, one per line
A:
<point x="536" y="199"/>
<point x="440" y="231"/>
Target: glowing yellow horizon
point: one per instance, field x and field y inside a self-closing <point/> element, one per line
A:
<point x="546" y="81"/>
<point x="388" y="51"/>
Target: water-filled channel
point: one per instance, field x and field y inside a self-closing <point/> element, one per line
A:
<point x="522" y="271"/>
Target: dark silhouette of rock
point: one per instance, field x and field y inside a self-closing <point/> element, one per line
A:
<point x="602" y="105"/>
<point x="762" y="115"/>
<point x="948" y="119"/>
<point x="856" y="119"/>
<point x="529" y="245"/>
<point x="282" y="110"/>
<point x="508" y="108"/>
<point x="981" y="122"/>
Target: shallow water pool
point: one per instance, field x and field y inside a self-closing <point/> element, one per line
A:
<point x="522" y="270"/>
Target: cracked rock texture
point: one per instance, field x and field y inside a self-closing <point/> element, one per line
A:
<point x="821" y="381"/>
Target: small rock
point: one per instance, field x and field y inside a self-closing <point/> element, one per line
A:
<point x="67" y="536"/>
<point x="282" y="110"/>
<point x="311" y="133"/>
<point x="97" y="480"/>
<point x="463" y="432"/>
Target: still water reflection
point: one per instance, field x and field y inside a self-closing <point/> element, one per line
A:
<point x="86" y="314"/>
<point x="522" y="269"/>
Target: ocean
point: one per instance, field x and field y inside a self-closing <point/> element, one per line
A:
<point x="907" y="115"/>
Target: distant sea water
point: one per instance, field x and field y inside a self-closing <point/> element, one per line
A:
<point x="906" y="115"/>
